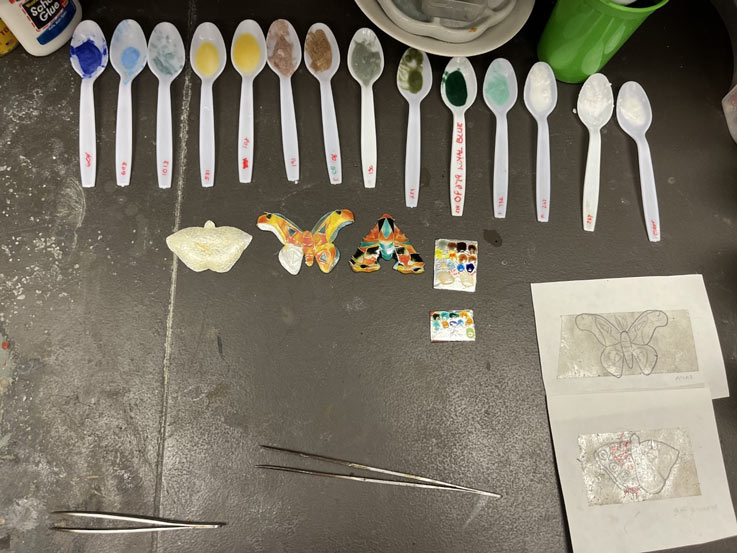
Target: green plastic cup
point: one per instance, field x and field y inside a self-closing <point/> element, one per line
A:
<point x="582" y="35"/>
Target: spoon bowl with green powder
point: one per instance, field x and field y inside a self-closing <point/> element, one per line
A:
<point x="366" y="63"/>
<point x="166" y="61"/>
<point x="458" y="90"/>
<point x="500" y="94"/>
<point x="414" y="79"/>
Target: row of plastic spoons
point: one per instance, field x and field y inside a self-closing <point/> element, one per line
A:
<point x="249" y="53"/>
<point x="595" y="106"/>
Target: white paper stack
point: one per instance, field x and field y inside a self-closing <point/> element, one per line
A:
<point x="630" y="369"/>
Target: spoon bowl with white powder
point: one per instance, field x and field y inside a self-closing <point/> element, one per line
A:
<point x="541" y="95"/>
<point x="634" y="115"/>
<point x="595" y="106"/>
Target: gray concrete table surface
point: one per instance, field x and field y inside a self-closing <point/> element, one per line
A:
<point x="132" y="384"/>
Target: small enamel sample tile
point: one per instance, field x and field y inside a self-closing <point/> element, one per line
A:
<point x="452" y="326"/>
<point x="456" y="265"/>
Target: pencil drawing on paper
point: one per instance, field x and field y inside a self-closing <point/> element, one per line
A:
<point x="626" y="344"/>
<point x="626" y="467"/>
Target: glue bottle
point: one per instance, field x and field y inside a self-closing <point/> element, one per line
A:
<point x="41" y="26"/>
<point x="8" y="42"/>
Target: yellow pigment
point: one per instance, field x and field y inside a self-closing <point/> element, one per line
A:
<point x="246" y="53"/>
<point x="207" y="60"/>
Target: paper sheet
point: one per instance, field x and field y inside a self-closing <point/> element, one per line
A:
<point x="641" y="471"/>
<point x="590" y="330"/>
<point x="630" y="367"/>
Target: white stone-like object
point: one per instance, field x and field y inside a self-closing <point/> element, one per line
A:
<point x="209" y="247"/>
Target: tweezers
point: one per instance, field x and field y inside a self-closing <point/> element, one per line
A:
<point x="155" y="524"/>
<point x="417" y="481"/>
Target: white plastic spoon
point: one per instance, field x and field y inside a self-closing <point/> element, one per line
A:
<point x="458" y="89"/>
<point x="414" y="79"/>
<point x="88" y="54"/>
<point x="283" y="54"/>
<point x="323" y="70"/>
<point x="366" y="63"/>
<point x="500" y="94"/>
<point x="166" y="61"/>
<point x="207" y="55"/>
<point x="541" y="95"/>
<point x="128" y="53"/>
<point x="594" y="107"/>
<point x="248" y="54"/>
<point x="634" y="115"/>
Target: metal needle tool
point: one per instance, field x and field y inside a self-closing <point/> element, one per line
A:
<point x="419" y="481"/>
<point x="155" y="524"/>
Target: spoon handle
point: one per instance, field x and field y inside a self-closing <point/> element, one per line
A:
<point x="591" y="181"/>
<point x="368" y="137"/>
<point x="501" y="167"/>
<point x="207" y="136"/>
<point x="458" y="165"/>
<point x="245" y="132"/>
<point x="330" y="133"/>
<point x="123" y="135"/>
<point x="412" y="157"/>
<point x="649" y="195"/>
<point x="87" y="140"/>
<point x="542" y="183"/>
<point x="290" y="145"/>
<point x="164" y="147"/>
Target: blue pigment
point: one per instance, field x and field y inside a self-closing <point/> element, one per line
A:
<point x="89" y="57"/>
<point x="129" y="57"/>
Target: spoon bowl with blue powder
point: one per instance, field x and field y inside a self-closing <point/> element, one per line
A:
<point x="89" y="56"/>
<point x="128" y="53"/>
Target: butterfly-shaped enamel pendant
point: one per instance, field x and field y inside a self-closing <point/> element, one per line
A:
<point x="316" y="244"/>
<point x="387" y="241"/>
<point x="637" y="466"/>
<point x="625" y="347"/>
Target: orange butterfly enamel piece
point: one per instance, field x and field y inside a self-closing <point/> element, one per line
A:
<point x="315" y="245"/>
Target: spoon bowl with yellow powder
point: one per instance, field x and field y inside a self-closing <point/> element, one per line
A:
<point x="248" y="54"/>
<point x="322" y="58"/>
<point x="207" y="54"/>
<point x="414" y="79"/>
<point x="283" y="54"/>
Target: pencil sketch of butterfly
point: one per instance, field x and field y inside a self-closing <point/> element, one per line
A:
<point x="636" y="465"/>
<point x="625" y="346"/>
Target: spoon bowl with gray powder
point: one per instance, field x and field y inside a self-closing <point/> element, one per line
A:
<point x="366" y="63"/>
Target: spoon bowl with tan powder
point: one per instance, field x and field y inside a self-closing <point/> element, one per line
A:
<point x="322" y="58"/>
<point x="283" y="54"/>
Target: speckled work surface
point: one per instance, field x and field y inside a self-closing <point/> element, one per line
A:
<point x="132" y="384"/>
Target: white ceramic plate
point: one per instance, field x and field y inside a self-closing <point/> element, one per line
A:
<point x="492" y="38"/>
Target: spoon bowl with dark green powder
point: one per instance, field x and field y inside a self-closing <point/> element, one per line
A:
<point x="458" y="90"/>
<point x="458" y="85"/>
